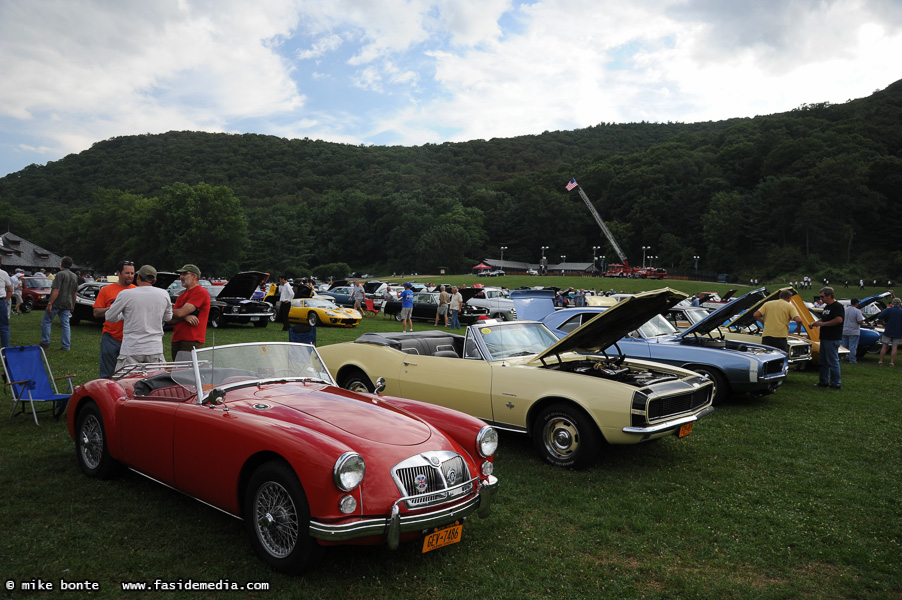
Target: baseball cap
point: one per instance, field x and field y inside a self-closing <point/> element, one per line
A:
<point x="189" y="268"/>
<point x="147" y="272"/>
<point x="407" y="284"/>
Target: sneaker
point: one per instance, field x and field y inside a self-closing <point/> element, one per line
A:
<point x="821" y="385"/>
<point x="45" y="346"/>
<point x="835" y="387"/>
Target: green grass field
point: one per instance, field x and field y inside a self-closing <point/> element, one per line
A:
<point x="794" y="495"/>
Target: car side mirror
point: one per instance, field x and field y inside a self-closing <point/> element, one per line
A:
<point x="216" y="397"/>
<point x="380" y="385"/>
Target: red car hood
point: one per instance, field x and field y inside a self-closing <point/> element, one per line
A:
<point x="359" y="415"/>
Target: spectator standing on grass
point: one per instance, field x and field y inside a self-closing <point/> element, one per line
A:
<point x="111" y="339"/>
<point x="444" y="299"/>
<point x="358" y="294"/>
<point x="60" y="303"/>
<point x="286" y="294"/>
<point x="16" y="280"/>
<point x="6" y="293"/>
<point x="406" y="308"/>
<point x="189" y="315"/>
<point x="457" y="301"/>
<point x="851" y="329"/>
<point x="142" y="310"/>
<point x="831" y="337"/>
<point x="776" y="316"/>
<point x="892" y="332"/>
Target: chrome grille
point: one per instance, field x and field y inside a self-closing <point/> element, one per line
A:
<point x="427" y="477"/>
<point x="668" y="406"/>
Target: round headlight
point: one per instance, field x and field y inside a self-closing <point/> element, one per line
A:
<point x="487" y="441"/>
<point x="348" y="471"/>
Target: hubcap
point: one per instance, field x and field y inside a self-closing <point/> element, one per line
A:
<point x="91" y="442"/>
<point x="561" y="437"/>
<point x="277" y="519"/>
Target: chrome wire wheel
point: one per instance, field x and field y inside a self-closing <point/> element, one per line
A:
<point x="561" y="438"/>
<point x="276" y="519"/>
<point x="91" y="435"/>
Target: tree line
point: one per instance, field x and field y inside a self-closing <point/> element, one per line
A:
<point x="814" y="191"/>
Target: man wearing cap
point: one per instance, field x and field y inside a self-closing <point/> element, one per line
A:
<point x="143" y="310"/>
<point x="892" y="332"/>
<point x="111" y="340"/>
<point x="6" y="293"/>
<point x="406" y="308"/>
<point x="189" y="315"/>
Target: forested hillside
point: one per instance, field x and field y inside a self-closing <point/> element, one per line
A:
<point x="815" y="190"/>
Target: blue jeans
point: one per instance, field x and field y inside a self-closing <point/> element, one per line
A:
<point x="47" y="320"/>
<point x="455" y="323"/>
<point x="4" y="324"/>
<point x="829" y="360"/>
<point x="109" y="353"/>
<point x="851" y="342"/>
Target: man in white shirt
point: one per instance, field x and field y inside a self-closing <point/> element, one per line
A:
<point x="286" y="294"/>
<point x="143" y="309"/>
<point x="17" y="288"/>
<point x="6" y="292"/>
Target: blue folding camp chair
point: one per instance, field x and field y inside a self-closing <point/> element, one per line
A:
<point x="29" y="377"/>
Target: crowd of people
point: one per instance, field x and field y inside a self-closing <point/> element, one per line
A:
<point x="134" y="311"/>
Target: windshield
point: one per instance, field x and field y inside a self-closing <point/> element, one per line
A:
<point x="521" y="339"/>
<point x="694" y="315"/>
<point x="320" y="303"/>
<point x="242" y="363"/>
<point x="38" y="282"/>
<point x="656" y="326"/>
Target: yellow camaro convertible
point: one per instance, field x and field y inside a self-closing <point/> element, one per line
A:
<point x="322" y="311"/>
<point x="567" y="394"/>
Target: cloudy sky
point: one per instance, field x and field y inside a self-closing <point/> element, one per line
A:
<point x="414" y="71"/>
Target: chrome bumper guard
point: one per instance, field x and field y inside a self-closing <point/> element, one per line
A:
<point x="668" y="425"/>
<point x="393" y="526"/>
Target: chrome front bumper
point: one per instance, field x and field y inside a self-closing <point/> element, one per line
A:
<point x="393" y="526"/>
<point x="671" y="425"/>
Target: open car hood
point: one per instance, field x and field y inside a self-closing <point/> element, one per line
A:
<point x="165" y="279"/>
<point x="533" y="305"/>
<point x="724" y="313"/>
<point x="872" y="299"/>
<point x="748" y="317"/>
<point x="616" y="322"/>
<point x="242" y="285"/>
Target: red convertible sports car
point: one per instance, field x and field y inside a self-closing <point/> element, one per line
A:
<point x="262" y="432"/>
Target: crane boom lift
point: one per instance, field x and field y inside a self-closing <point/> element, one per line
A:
<point x="604" y="228"/>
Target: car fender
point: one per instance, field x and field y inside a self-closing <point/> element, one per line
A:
<point x="107" y="395"/>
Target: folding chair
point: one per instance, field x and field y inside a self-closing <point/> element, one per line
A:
<point x="29" y="377"/>
<point x="369" y="307"/>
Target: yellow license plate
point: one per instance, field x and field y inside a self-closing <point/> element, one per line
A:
<point x="445" y="536"/>
<point x="685" y="429"/>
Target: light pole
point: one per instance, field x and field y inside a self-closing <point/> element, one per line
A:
<point x="595" y="250"/>
<point x="602" y="263"/>
<point x="563" y="260"/>
<point x="543" y="264"/>
<point x="503" y="248"/>
<point x="696" y="257"/>
<point x="651" y="260"/>
<point x="644" y="248"/>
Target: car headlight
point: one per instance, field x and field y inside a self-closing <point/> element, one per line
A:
<point x="348" y="471"/>
<point x="487" y="441"/>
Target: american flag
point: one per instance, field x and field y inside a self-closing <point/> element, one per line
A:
<point x="572" y="184"/>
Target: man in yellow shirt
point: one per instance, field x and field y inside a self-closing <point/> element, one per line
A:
<point x="776" y="316"/>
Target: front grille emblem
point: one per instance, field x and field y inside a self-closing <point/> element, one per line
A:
<point x="420" y="482"/>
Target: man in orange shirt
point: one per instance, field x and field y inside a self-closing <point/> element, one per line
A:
<point x="111" y="341"/>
